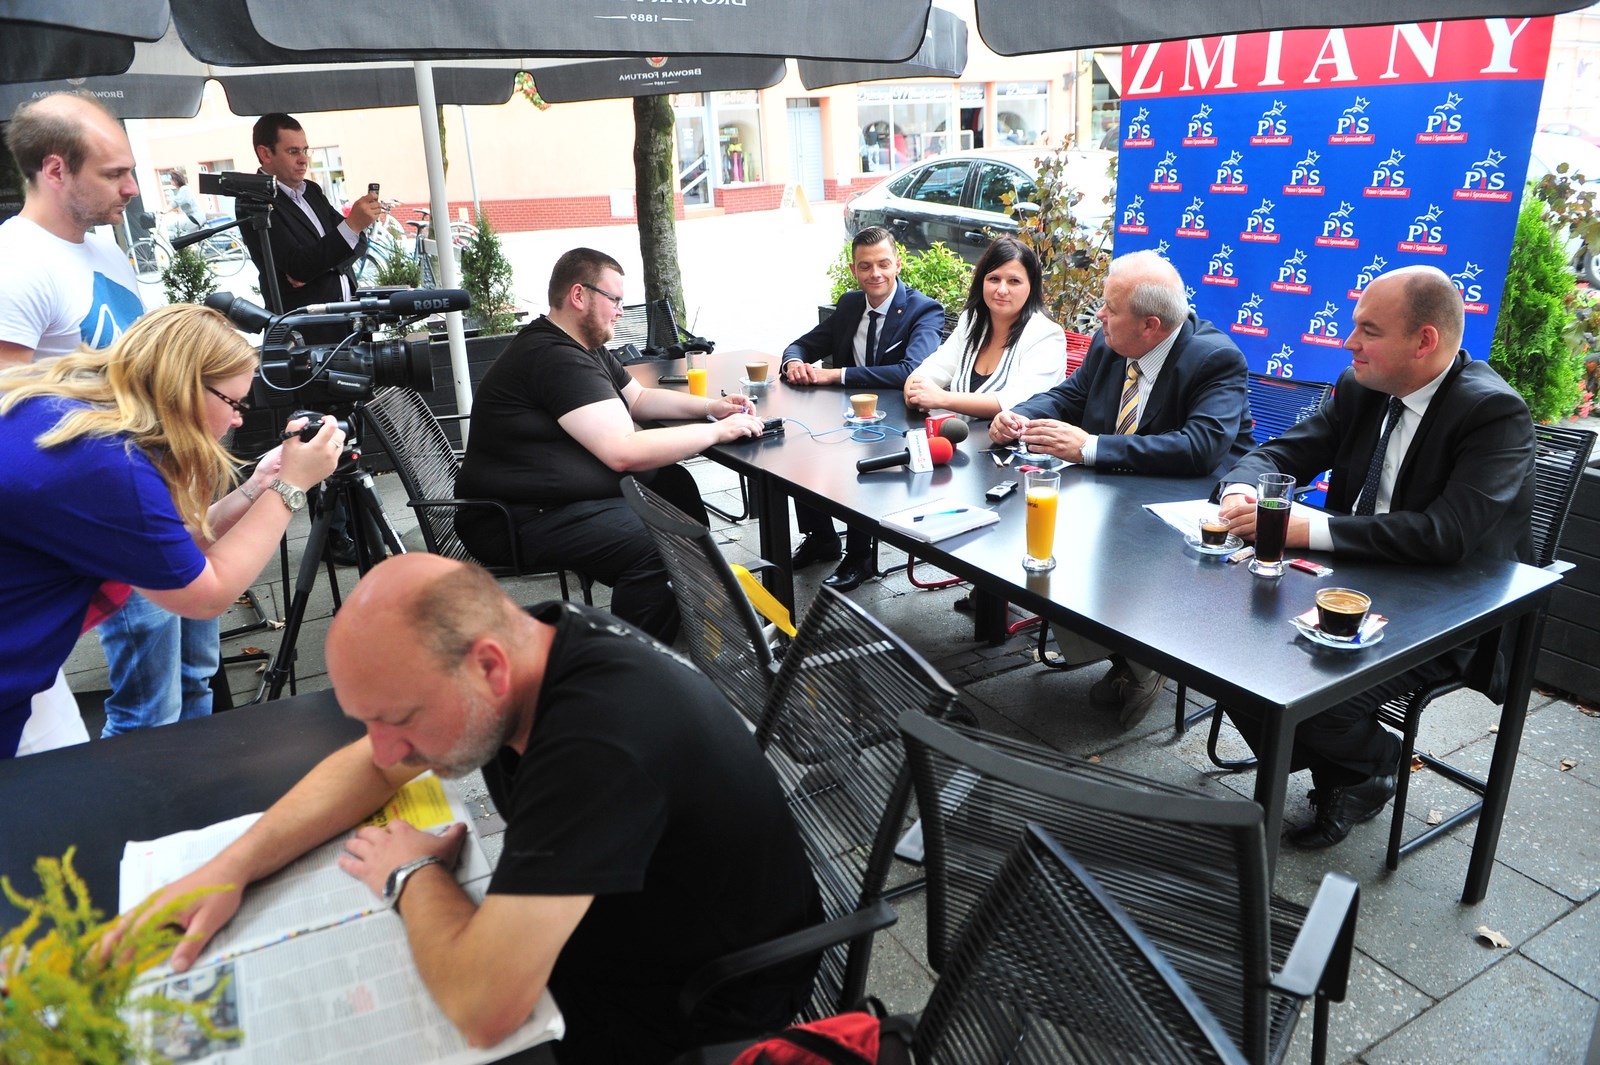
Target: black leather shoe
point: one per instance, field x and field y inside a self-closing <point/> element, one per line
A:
<point x="816" y="547"/>
<point x="340" y="550"/>
<point x="1341" y="809"/>
<point x="851" y="572"/>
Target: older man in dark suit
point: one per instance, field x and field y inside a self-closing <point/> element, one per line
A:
<point x="874" y="339"/>
<point x="1432" y="459"/>
<point x="1160" y="392"/>
<point x="314" y="247"/>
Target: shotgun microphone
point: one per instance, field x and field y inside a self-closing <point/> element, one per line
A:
<point x="940" y="450"/>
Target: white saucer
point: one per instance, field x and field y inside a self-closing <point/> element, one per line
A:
<point x="851" y="419"/>
<point x="1042" y="461"/>
<point x="1229" y="546"/>
<point x="755" y="384"/>
<point x="1314" y="634"/>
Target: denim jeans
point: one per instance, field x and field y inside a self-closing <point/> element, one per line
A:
<point x="161" y="666"/>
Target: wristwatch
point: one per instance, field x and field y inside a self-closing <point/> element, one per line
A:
<point x="397" y="879"/>
<point x="293" y="498"/>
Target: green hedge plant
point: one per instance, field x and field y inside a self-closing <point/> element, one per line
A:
<point x="1530" y="348"/>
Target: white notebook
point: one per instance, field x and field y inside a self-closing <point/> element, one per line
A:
<point x="938" y="519"/>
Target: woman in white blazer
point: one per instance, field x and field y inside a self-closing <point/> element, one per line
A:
<point x="1004" y="350"/>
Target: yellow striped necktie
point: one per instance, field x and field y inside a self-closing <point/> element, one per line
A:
<point x="1128" y="415"/>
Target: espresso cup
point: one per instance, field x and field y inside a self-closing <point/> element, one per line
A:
<point x="755" y="372"/>
<point x="864" y="404"/>
<point x="1213" y="529"/>
<point x="1340" y="612"/>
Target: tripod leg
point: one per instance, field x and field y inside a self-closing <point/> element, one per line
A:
<point x="282" y="666"/>
<point x="365" y="502"/>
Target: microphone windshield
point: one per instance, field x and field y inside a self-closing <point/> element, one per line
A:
<point x="941" y="450"/>
<point x="955" y="430"/>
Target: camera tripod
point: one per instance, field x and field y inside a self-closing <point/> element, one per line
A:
<point x="375" y="537"/>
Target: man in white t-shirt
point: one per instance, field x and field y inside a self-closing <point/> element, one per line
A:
<point x="62" y="286"/>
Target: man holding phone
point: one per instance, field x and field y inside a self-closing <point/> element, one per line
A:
<point x="314" y="247"/>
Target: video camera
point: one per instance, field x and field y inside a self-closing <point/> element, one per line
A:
<point x="252" y="188"/>
<point x="326" y="375"/>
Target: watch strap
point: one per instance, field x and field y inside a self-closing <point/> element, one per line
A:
<point x="396" y="883"/>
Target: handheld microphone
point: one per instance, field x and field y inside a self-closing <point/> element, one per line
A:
<point x="410" y="301"/>
<point x="952" y="427"/>
<point x="940" y="450"/>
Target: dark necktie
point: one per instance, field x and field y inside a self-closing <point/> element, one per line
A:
<point x="1367" y="502"/>
<point x="1128" y="411"/>
<point x="872" y="337"/>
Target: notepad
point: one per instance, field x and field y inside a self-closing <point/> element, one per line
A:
<point x="938" y="519"/>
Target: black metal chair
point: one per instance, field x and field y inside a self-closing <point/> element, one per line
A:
<point x="1190" y="870"/>
<point x="725" y="636"/>
<point x="1558" y="467"/>
<point x="1276" y="404"/>
<point x="427" y="463"/>
<point x="830" y="735"/>
<point x="1051" y="969"/>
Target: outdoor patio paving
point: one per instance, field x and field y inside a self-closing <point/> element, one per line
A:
<point x="1425" y="990"/>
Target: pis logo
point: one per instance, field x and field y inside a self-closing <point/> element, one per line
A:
<point x="1139" y="125"/>
<point x="1370" y="271"/>
<point x="1249" y="313"/>
<point x="1388" y="174"/>
<point x="1353" y="119"/>
<point x="1485" y="173"/>
<point x="1271" y="123"/>
<point x="1280" y="364"/>
<point x="1466" y="280"/>
<point x="1133" y="215"/>
<point x="1260" y="220"/>
<point x="1167" y="170"/>
<point x="1445" y="118"/>
<point x="1229" y="172"/>
<point x="1193" y="215"/>
<point x="1221" y="264"/>
<point x="1338" y="223"/>
<point x="1422" y="229"/>
<point x="1292" y="272"/>
<point x="1305" y="172"/>
<point x="1199" y="124"/>
<point x="1322" y="323"/>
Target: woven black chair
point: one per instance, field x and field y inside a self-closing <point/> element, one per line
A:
<point x="830" y="735"/>
<point x="427" y="464"/>
<point x="1276" y="404"/>
<point x="1051" y="969"/>
<point x="726" y="638"/>
<point x="1558" y="467"/>
<point x="1190" y="870"/>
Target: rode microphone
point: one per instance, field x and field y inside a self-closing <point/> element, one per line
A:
<point x="952" y="427"/>
<point x="923" y="455"/>
<point x="409" y="301"/>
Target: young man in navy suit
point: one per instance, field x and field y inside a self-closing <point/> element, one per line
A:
<point x="873" y="340"/>
<point x="1432" y="459"/>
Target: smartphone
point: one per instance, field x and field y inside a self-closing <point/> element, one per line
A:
<point x="372" y="189"/>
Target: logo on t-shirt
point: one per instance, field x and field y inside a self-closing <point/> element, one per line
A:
<point x="112" y="309"/>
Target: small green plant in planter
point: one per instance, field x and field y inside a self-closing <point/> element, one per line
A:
<point x="1073" y="262"/>
<point x="487" y="275"/>
<point x="63" y="1002"/>
<point x="187" y="279"/>
<point x="938" y="273"/>
<point x="1531" y="347"/>
<point x="398" y="269"/>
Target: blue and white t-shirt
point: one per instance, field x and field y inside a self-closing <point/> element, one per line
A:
<point x="56" y="294"/>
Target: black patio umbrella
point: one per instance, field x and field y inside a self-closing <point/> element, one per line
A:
<point x="1024" y="27"/>
<point x="613" y="79"/>
<point x="943" y="55"/>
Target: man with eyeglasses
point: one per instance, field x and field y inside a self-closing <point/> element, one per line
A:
<point x="555" y="428"/>
<point x="61" y="286"/>
<point x="314" y="247"/>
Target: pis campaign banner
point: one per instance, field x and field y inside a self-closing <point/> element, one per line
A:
<point x="1281" y="172"/>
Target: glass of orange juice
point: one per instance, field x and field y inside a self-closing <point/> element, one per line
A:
<point x="696" y="372"/>
<point x="1042" y="489"/>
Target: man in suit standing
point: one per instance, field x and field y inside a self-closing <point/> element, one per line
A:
<point x="314" y="247"/>
<point x="1432" y="459"/>
<point x="314" y="250"/>
<point x="874" y="339"/>
<point x="1160" y="392"/>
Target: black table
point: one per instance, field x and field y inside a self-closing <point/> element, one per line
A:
<point x="1126" y="580"/>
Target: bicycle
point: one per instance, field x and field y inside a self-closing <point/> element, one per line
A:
<point x="223" y="253"/>
<point x="387" y="241"/>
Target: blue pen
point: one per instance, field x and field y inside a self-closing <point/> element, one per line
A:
<point x="942" y="513"/>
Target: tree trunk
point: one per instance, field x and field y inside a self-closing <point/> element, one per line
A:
<point x="654" y="185"/>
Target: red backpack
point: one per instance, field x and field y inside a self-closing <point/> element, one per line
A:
<point x="861" y="1037"/>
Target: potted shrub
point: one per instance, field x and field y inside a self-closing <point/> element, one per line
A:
<point x="187" y="278"/>
<point x="1532" y="348"/>
<point x="487" y="275"/>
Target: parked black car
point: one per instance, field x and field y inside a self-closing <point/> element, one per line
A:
<point x="959" y="198"/>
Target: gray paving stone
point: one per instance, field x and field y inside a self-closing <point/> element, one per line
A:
<point x="1376" y="1004"/>
<point x="1516" y="1014"/>
<point x="1570" y="948"/>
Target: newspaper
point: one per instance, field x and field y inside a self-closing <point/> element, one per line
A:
<point x="314" y="968"/>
